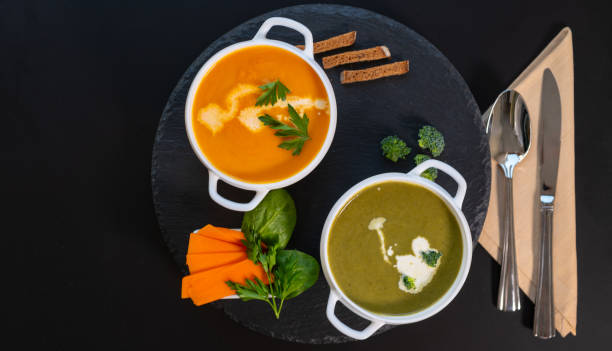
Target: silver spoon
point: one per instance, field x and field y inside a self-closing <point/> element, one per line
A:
<point x="509" y="139"/>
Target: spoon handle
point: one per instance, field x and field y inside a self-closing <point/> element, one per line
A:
<point x="544" y="316"/>
<point x="508" y="298"/>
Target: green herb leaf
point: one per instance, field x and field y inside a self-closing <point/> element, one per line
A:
<point x="296" y="272"/>
<point x="251" y="291"/>
<point x="301" y="123"/>
<point x="299" y="130"/>
<point x="253" y="244"/>
<point x="271" y="222"/>
<point x="290" y="272"/>
<point x="294" y="144"/>
<point x="431" y="257"/>
<point x="273" y="91"/>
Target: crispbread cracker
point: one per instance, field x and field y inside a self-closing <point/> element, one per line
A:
<point x="339" y="41"/>
<point x="371" y="54"/>
<point x="391" y="69"/>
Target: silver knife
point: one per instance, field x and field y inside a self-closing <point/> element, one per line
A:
<point x="550" y="143"/>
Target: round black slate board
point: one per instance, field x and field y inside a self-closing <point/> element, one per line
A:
<point x="432" y="92"/>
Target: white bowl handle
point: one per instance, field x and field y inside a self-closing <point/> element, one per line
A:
<point x="213" y="179"/>
<point x="462" y="186"/>
<point x="343" y="328"/>
<point x="289" y="23"/>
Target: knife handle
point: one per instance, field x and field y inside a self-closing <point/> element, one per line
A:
<point x="544" y="317"/>
<point x="508" y="298"/>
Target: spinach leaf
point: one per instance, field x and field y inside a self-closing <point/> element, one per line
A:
<point x="295" y="273"/>
<point x="267" y="229"/>
<point x="272" y="221"/>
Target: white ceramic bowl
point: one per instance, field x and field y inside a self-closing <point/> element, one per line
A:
<point x="261" y="189"/>
<point x="453" y="203"/>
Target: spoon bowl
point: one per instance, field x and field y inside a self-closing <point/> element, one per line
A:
<point x="508" y="127"/>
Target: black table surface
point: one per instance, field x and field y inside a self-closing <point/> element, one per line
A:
<point x="82" y="87"/>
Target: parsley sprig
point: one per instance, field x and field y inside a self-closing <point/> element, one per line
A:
<point x="273" y="92"/>
<point x="257" y="289"/>
<point x="289" y="273"/>
<point x="299" y="130"/>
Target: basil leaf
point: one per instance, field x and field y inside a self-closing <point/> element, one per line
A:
<point x="295" y="272"/>
<point x="272" y="221"/>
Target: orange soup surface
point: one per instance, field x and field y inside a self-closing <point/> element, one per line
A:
<point x="225" y="118"/>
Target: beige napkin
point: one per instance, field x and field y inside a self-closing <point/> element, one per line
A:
<point x="558" y="57"/>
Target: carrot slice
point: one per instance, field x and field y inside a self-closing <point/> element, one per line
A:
<point x="209" y="285"/>
<point x="204" y="244"/>
<point x="214" y="275"/>
<point x="204" y="261"/>
<point x="224" y="234"/>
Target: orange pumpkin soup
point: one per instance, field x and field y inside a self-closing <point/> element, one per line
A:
<point x="225" y="118"/>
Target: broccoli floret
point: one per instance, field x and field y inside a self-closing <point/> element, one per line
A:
<point x="408" y="282"/>
<point x="394" y="148"/>
<point x="430" y="173"/>
<point x="431" y="257"/>
<point x="431" y="138"/>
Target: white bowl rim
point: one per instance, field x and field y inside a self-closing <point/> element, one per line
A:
<point x="447" y="297"/>
<point x="311" y="165"/>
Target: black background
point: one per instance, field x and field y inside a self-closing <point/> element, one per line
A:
<point x="82" y="86"/>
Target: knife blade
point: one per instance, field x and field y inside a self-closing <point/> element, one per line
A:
<point x="550" y="115"/>
<point x="549" y="148"/>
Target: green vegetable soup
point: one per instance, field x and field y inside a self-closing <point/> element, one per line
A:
<point x="378" y="252"/>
